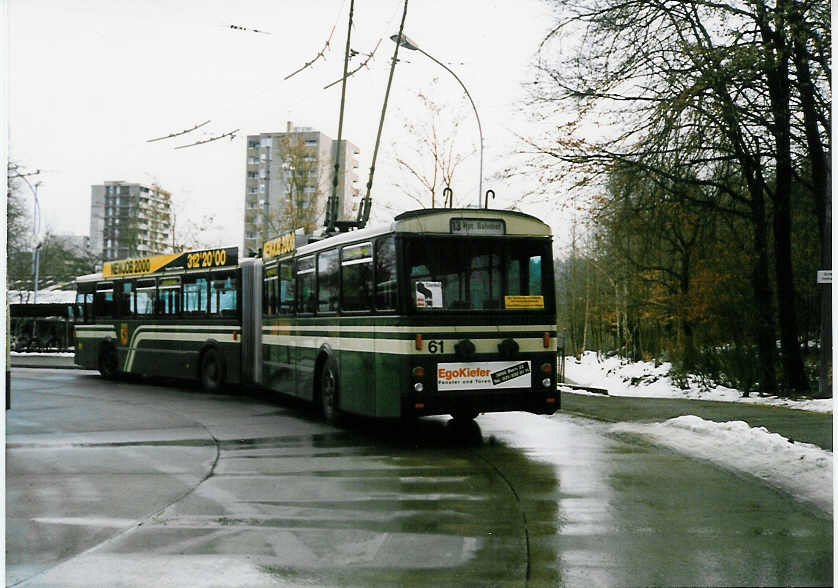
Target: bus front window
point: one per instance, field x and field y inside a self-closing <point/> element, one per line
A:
<point x="476" y="274"/>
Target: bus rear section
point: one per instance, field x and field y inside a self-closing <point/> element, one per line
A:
<point x="444" y="311"/>
<point x="468" y="373"/>
<point x="482" y="331"/>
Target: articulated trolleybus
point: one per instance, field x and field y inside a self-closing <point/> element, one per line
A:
<point x="443" y="311"/>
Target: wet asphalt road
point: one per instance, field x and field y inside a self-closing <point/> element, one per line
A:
<point x="140" y="484"/>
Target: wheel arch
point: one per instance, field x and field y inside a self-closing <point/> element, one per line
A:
<point x="210" y="344"/>
<point x="324" y="354"/>
<point x="108" y="344"/>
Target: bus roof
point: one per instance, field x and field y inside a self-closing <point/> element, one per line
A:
<point x="456" y="221"/>
<point x="445" y="221"/>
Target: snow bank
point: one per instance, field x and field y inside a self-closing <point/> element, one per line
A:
<point x="800" y="469"/>
<point x="646" y="379"/>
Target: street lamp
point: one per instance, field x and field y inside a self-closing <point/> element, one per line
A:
<point x="36" y="228"/>
<point x="407" y="43"/>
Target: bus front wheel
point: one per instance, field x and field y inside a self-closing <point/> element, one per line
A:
<point x="328" y="392"/>
<point x="212" y="371"/>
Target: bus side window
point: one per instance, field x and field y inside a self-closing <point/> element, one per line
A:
<point x="356" y="277"/>
<point x="125" y="300"/>
<point x="84" y="304"/>
<point x="168" y="297"/>
<point x="385" y="274"/>
<point x="103" y="304"/>
<point x="268" y="292"/>
<point x="195" y="294"/>
<point x="306" y="295"/>
<point x="145" y="297"/>
<point x="328" y="285"/>
<point x="223" y="288"/>
<point x="286" y="289"/>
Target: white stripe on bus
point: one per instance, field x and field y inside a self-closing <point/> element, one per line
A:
<point x="97" y="334"/>
<point x="196" y="333"/>
<point x="399" y="346"/>
<point x="414" y="329"/>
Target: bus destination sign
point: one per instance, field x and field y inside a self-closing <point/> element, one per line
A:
<point x="477" y="226"/>
<point x="204" y="259"/>
<point x="285" y="243"/>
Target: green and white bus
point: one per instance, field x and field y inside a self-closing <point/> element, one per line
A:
<point x="442" y="311"/>
<point x="176" y="315"/>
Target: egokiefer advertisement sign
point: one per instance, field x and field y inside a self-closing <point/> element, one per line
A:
<point x="482" y="375"/>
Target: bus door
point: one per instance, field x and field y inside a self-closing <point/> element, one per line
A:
<point x="278" y="349"/>
<point x="302" y="350"/>
<point x="356" y="353"/>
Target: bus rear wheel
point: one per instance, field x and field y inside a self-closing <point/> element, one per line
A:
<point x="328" y="393"/>
<point x="464" y="415"/>
<point x="212" y="371"/>
<point x="109" y="362"/>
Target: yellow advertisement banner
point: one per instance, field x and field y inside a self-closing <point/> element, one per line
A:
<point x="136" y="267"/>
<point x="523" y="302"/>
<point x="280" y="246"/>
<point x="203" y="259"/>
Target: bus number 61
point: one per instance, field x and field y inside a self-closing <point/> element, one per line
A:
<point x="436" y="346"/>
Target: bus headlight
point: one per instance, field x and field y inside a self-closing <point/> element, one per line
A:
<point x="546" y="382"/>
<point x="418" y="386"/>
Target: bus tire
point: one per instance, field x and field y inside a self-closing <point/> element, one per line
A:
<point x="212" y="370"/>
<point x="464" y="415"/>
<point x="109" y="361"/>
<point x="328" y="390"/>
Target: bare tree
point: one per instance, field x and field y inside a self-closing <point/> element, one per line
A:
<point x="190" y="234"/>
<point x="429" y="153"/>
<point x="302" y="204"/>
<point x="701" y="92"/>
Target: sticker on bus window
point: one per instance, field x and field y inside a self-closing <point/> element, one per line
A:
<point x="523" y="302"/>
<point x="428" y="294"/>
<point x="485" y="375"/>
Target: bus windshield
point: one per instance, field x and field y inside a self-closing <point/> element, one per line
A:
<point x="453" y="273"/>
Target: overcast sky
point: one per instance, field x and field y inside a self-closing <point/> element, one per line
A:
<point x="91" y="81"/>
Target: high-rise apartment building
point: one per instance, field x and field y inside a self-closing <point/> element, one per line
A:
<point x="289" y="180"/>
<point x="129" y="220"/>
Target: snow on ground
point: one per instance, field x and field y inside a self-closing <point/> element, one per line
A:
<point x="805" y="471"/>
<point x="645" y="379"/>
<point x="800" y="469"/>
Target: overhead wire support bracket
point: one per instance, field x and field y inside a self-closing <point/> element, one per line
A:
<point x="238" y="28"/>
<point x="357" y="69"/>
<point x="178" y="134"/>
<point x="231" y="134"/>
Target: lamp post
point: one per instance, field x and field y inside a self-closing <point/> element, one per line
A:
<point x="36" y="228"/>
<point x="405" y="42"/>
